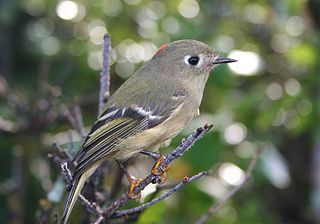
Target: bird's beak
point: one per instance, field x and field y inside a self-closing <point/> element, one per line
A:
<point x="222" y="60"/>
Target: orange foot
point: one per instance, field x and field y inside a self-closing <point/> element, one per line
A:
<point x="162" y="173"/>
<point x="133" y="183"/>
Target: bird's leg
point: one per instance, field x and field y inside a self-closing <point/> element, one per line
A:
<point x="155" y="169"/>
<point x="154" y="155"/>
<point x="133" y="181"/>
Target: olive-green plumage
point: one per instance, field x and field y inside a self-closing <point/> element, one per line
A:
<point x="150" y="108"/>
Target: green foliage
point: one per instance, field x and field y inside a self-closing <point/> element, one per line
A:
<point x="153" y="215"/>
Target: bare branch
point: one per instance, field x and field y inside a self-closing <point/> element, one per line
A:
<point x="152" y="178"/>
<point x="55" y="218"/>
<point x="140" y="208"/>
<point x="58" y="155"/>
<point x="79" y="118"/>
<point x="91" y="207"/>
<point x="75" y="119"/>
<point x="105" y="74"/>
<point x="217" y="206"/>
<point x="99" y="220"/>
<point x="66" y="173"/>
<point x="96" y="180"/>
<point x="185" y="146"/>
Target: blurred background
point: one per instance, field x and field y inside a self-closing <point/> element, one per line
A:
<point x="51" y="54"/>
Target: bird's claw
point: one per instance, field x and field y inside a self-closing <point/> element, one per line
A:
<point x="133" y="184"/>
<point x="161" y="173"/>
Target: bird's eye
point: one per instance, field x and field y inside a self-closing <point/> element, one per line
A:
<point x="194" y="60"/>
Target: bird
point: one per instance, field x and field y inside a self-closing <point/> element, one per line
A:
<point x="149" y="109"/>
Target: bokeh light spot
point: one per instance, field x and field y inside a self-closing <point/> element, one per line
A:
<point x="292" y="87"/>
<point x="134" y="52"/>
<point x="249" y="63"/>
<point x="231" y="174"/>
<point x="235" y="133"/>
<point x="170" y="25"/>
<point x="50" y="46"/>
<point x="255" y="14"/>
<point x="149" y="50"/>
<point x="224" y="43"/>
<point x="94" y="60"/>
<point x="40" y="29"/>
<point x="276" y="168"/>
<point x="189" y="8"/>
<point x="111" y="7"/>
<point x="280" y="118"/>
<point x="125" y="69"/>
<point x="274" y="91"/>
<point x="67" y="10"/>
<point x="156" y="10"/>
<point x="295" y="26"/>
<point x="292" y="119"/>
<point x="96" y="34"/>
<point x="304" y="107"/>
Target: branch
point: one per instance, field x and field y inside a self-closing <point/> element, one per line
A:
<point x="217" y="206"/>
<point x="152" y="178"/>
<point x="96" y="180"/>
<point x="75" y="118"/>
<point x="62" y="160"/>
<point x="66" y="173"/>
<point x="105" y="74"/>
<point x="184" y="146"/>
<point x="140" y="208"/>
<point x="79" y="118"/>
<point x="91" y="207"/>
<point x="58" y="155"/>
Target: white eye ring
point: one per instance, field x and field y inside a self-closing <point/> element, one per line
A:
<point x="198" y="64"/>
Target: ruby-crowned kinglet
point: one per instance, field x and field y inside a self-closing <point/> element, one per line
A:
<point x="150" y="108"/>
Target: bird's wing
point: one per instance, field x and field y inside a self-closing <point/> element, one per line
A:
<point x="114" y="125"/>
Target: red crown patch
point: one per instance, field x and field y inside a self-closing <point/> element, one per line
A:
<point x="161" y="48"/>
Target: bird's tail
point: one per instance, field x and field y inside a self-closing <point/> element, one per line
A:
<point x="72" y="198"/>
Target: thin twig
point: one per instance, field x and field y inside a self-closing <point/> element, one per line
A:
<point x="140" y="208"/>
<point x="105" y="74"/>
<point x="91" y="207"/>
<point x="66" y="173"/>
<point x="75" y="119"/>
<point x="58" y="155"/>
<point x="55" y="218"/>
<point x="184" y="146"/>
<point x="79" y="118"/>
<point x="99" y="220"/>
<point x="217" y="206"/>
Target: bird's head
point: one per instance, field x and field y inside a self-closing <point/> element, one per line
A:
<point x="189" y="57"/>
